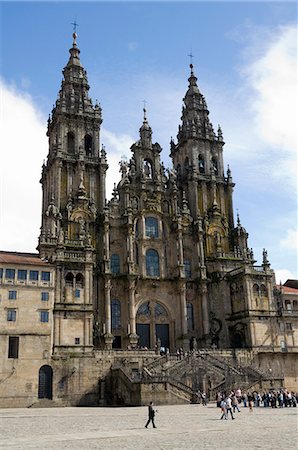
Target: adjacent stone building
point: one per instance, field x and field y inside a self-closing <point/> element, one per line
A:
<point x="162" y="264"/>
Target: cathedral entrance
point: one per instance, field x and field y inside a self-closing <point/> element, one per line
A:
<point x="152" y="323"/>
<point x="45" y="382"/>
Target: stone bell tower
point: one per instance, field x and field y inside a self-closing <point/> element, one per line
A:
<point x="73" y="185"/>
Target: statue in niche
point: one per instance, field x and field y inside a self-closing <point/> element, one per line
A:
<point x="134" y="203"/>
<point x="217" y="240"/>
<point x="147" y="169"/>
<point x="82" y="229"/>
<point x="123" y="167"/>
<point x="69" y="206"/>
<point x="61" y="237"/>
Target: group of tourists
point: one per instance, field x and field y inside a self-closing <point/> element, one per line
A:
<point x="229" y="402"/>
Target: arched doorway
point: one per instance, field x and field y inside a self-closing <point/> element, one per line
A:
<point x="153" y="324"/>
<point x="45" y="382"/>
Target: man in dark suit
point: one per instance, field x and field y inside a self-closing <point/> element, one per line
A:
<point x="151" y="414"/>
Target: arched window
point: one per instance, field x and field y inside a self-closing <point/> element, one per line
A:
<point x="69" y="279"/>
<point x="152" y="263"/>
<point x="88" y="144"/>
<point x="116" y="314"/>
<point x="160" y="311"/>
<point x="187" y="268"/>
<point x="201" y="164"/>
<point x="256" y="289"/>
<point x="186" y="165"/>
<point x="115" y="263"/>
<point x="79" y="280"/>
<point x="151" y="225"/>
<point x="190" y="318"/>
<point x="263" y="290"/>
<point x="70" y="143"/>
<point x="178" y="170"/>
<point x="214" y="165"/>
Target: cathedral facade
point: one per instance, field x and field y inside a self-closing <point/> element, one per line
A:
<point x="163" y="260"/>
<point x="163" y="264"/>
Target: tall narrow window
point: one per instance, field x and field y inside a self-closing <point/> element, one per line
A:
<point x="1" y="273"/>
<point x="214" y="165"/>
<point x="88" y="145"/>
<point x="116" y="314"/>
<point x="151" y="225"/>
<point x="190" y="318"/>
<point x="13" y="347"/>
<point x="115" y="263"/>
<point x="187" y="268"/>
<point x="201" y="163"/>
<point x="70" y="143"/>
<point x="152" y="263"/>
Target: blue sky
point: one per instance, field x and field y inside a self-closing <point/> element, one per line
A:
<point x="245" y="60"/>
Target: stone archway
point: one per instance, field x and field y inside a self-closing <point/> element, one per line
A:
<point x="153" y="324"/>
<point x="45" y="382"/>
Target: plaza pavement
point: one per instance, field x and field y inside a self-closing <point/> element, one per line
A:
<point x="178" y="427"/>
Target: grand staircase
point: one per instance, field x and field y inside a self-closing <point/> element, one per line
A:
<point x="175" y="378"/>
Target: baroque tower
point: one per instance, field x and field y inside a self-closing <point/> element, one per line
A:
<point x="73" y="184"/>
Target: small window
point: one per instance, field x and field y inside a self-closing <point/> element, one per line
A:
<point x="33" y="275"/>
<point x="201" y="164"/>
<point x="70" y="143"/>
<point x="12" y="295"/>
<point x="115" y="263"/>
<point x="77" y="341"/>
<point x="214" y="165"/>
<point x="151" y="225"/>
<point x="289" y="327"/>
<point x="10" y="274"/>
<point x="88" y="144"/>
<point x="45" y="276"/>
<point x="13" y="347"/>
<point x="152" y="263"/>
<point x="1" y="273"/>
<point x="44" y="316"/>
<point x="44" y="296"/>
<point x="11" y="315"/>
<point x="22" y="274"/>
<point x="190" y="317"/>
<point x="77" y="293"/>
<point x="187" y="268"/>
<point x="116" y="314"/>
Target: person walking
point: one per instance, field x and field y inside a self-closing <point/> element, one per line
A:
<point x="151" y="414"/>
<point x="223" y="407"/>
<point x="229" y="407"/>
<point x="235" y="404"/>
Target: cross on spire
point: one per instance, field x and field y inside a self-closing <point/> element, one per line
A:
<point x="191" y="56"/>
<point x="144" y="109"/>
<point x="75" y="25"/>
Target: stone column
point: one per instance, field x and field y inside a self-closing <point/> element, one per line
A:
<point x="205" y="312"/>
<point x="58" y="200"/>
<point x="183" y="310"/>
<point x="108" y="305"/>
<point x="133" y="337"/>
<point x="108" y="337"/>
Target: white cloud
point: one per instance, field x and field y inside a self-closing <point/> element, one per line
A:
<point x="272" y="76"/>
<point x="23" y="146"/>
<point x="282" y="275"/>
<point x="117" y="146"/>
<point x="290" y="241"/>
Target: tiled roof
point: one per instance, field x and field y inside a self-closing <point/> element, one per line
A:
<point x="287" y="289"/>
<point x="22" y="258"/>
